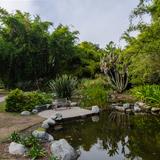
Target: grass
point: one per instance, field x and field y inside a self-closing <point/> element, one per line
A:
<point x="2" y="106"/>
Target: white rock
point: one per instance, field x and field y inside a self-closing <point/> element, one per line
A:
<point x="45" y="125"/>
<point x="25" y="113"/>
<point x="50" y="121"/>
<point x="42" y="135"/>
<point x="141" y="104"/>
<point x="126" y="105"/>
<point x="34" y="111"/>
<point x="17" y="149"/>
<point x="73" y="104"/>
<point x="63" y="150"/>
<point x="53" y="117"/>
<point x="59" y="116"/>
<point x="137" y="108"/>
<point x="95" y="109"/>
<point x="39" y="134"/>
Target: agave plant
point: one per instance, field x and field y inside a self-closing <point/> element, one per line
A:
<point x="63" y="86"/>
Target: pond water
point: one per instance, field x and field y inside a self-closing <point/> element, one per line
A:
<point x="114" y="136"/>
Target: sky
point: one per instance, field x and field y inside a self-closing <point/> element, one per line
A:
<point x="98" y="21"/>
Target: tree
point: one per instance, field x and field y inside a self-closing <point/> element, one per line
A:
<point x="143" y="51"/>
<point x="24" y="51"/>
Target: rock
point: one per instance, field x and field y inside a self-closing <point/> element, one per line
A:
<point x="128" y="110"/>
<point x="45" y="125"/>
<point x="42" y="135"/>
<point x="95" y="109"/>
<point x="53" y="117"/>
<point x="50" y="121"/>
<point x="25" y="113"/>
<point x="146" y="108"/>
<point x="155" y="110"/>
<point x="34" y="111"/>
<point x="58" y="127"/>
<point x="141" y="104"/>
<point x="95" y="118"/>
<point x="39" y="134"/>
<point x="120" y="109"/>
<point x="73" y="104"/>
<point x="17" y="149"/>
<point x="126" y="105"/>
<point x="59" y="117"/>
<point x="136" y="108"/>
<point x="43" y="107"/>
<point x="63" y="150"/>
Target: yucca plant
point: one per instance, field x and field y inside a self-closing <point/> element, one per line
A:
<point x="63" y="86"/>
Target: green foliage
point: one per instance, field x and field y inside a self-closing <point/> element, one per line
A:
<point x="15" y="137"/>
<point x="86" y="62"/>
<point x="63" y="86"/>
<point x="52" y="157"/>
<point x="142" y="52"/>
<point x="30" y="141"/>
<point x="36" y="152"/>
<point x="148" y="93"/>
<point x="24" y="49"/>
<point x="94" y="92"/>
<point x="18" y="100"/>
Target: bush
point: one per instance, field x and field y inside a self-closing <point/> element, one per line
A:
<point x="18" y="100"/>
<point x="148" y="93"/>
<point x="94" y="92"/>
<point x="64" y="86"/>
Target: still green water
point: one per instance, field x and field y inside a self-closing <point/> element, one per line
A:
<point x="114" y="136"/>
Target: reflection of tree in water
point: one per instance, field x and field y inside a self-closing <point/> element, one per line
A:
<point x="138" y="134"/>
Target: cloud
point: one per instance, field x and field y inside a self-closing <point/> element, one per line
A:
<point x="98" y="21"/>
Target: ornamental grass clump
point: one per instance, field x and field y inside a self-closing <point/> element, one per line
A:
<point x="148" y="93"/>
<point x="63" y="86"/>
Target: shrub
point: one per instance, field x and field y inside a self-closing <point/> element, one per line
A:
<point x="148" y="93"/>
<point x="18" y="100"/>
<point x="64" y="86"/>
<point x="94" y="92"/>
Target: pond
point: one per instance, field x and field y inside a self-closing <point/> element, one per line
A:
<point x="114" y="136"/>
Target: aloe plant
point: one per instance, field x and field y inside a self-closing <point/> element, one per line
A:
<point x="116" y="71"/>
<point x="119" y="80"/>
<point x="64" y="86"/>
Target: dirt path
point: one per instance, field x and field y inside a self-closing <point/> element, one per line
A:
<point x="10" y="122"/>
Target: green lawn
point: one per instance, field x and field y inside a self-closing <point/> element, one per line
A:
<point x="2" y="106"/>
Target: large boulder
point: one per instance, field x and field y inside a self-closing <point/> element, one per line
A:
<point x="63" y="150"/>
<point x="25" y="113"/>
<point x="17" y="149"/>
<point x="95" y="109"/>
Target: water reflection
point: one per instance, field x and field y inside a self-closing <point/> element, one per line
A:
<point x="114" y="136"/>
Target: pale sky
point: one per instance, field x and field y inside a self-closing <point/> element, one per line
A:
<point x="98" y="21"/>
